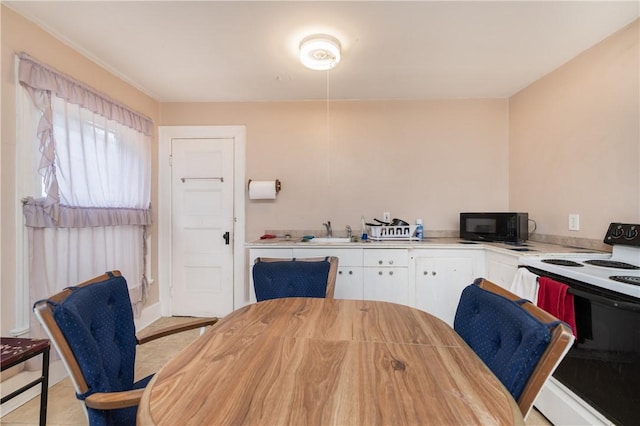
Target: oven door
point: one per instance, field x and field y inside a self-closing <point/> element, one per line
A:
<point x="603" y="366"/>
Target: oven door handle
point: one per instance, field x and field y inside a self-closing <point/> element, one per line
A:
<point x="627" y="306"/>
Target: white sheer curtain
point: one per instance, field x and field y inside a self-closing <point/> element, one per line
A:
<point x="61" y="257"/>
<point x="99" y="163"/>
<point x="96" y="176"/>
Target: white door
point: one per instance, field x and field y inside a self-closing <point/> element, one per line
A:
<point x="202" y="182"/>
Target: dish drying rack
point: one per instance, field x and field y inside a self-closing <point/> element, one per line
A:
<point x="391" y="233"/>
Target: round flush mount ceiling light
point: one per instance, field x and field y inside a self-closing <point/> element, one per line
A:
<point x="320" y="52"/>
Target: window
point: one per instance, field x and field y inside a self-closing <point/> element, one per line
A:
<point x="95" y="169"/>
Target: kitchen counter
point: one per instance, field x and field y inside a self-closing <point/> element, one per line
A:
<point x="528" y="248"/>
<point x="429" y="275"/>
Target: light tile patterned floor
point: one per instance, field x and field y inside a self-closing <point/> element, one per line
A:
<point x="64" y="410"/>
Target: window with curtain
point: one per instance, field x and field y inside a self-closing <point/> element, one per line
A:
<point x="95" y="168"/>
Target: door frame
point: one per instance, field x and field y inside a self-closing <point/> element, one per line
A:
<point x="165" y="136"/>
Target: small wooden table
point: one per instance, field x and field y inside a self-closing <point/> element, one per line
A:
<point x="16" y="351"/>
<point x="327" y="361"/>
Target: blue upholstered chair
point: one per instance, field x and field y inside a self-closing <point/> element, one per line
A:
<point x="91" y="326"/>
<point x="519" y="342"/>
<point x="306" y="277"/>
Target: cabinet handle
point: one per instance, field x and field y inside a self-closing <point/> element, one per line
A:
<point x="391" y="262"/>
<point x="379" y="262"/>
<point x="425" y="273"/>
<point x="390" y="272"/>
<point x="380" y="273"/>
<point x="433" y="273"/>
<point x="350" y="272"/>
<point x="339" y="272"/>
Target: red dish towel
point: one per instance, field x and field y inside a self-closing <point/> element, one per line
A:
<point x="554" y="298"/>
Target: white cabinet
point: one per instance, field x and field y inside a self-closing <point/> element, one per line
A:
<point x="269" y="252"/>
<point x="386" y="275"/>
<point x="349" y="283"/>
<point x="349" y="279"/>
<point x="501" y="267"/>
<point x="440" y="277"/>
<point x="430" y="279"/>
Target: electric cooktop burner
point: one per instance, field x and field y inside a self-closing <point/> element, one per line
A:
<point x="626" y="279"/>
<point x="611" y="264"/>
<point x="561" y="262"/>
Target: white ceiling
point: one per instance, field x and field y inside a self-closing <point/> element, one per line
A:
<point x="181" y="51"/>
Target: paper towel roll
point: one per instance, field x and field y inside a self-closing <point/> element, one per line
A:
<point x="262" y="190"/>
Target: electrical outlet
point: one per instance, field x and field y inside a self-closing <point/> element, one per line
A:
<point x="386" y="217"/>
<point x="574" y="222"/>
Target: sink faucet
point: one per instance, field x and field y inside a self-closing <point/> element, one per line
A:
<point x="329" y="230"/>
<point x="349" y="231"/>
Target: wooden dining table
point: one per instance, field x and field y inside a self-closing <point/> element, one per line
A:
<point x="306" y="361"/>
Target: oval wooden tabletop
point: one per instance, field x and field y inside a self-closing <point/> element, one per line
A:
<point x="327" y="361"/>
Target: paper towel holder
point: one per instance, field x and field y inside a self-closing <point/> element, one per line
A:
<point x="277" y="181"/>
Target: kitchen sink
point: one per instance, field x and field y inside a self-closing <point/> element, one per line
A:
<point x="330" y="240"/>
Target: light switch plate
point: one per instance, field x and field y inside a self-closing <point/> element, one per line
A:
<point x="386" y="217"/>
<point x="574" y="222"/>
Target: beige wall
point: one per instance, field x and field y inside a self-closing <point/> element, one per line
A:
<point x="415" y="159"/>
<point x="569" y="143"/>
<point x="574" y="141"/>
<point x="18" y="34"/>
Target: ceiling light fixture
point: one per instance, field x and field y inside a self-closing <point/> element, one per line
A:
<point x="320" y="52"/>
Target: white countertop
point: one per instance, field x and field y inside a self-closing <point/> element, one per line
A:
<point x="529" y="248"/>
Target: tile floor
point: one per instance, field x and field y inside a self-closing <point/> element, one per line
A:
<point x="64" y="410"/>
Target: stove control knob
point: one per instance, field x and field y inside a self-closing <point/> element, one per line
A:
<point x="631" y="233"/>
<point x="617" y="232"/>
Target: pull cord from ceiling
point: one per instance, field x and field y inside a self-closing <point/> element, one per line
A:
<point x="328" y="134"/>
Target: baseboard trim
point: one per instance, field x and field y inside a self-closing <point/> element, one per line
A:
<point x="148" y="315"/>
<point x="57" y="373"/>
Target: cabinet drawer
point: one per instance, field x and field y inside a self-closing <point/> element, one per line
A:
<point x="268" y="252"/>
<point x="386" y="257"/>
<point x="346" y="257"/>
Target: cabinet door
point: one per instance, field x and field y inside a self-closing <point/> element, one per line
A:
<point x="387" y="285"/>
<point x="501" y="268"/>
<point x="349" y="278"/>
<point x="349" y="283"/>
<point x="440" y="279"/>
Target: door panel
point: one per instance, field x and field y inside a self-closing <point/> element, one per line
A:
<point x="202" y="212"/>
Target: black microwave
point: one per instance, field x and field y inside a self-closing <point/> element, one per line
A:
<point x="503" y="227"/>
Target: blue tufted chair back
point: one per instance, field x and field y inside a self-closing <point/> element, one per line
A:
<point x="290" y="278"/>
<point x="506" y="337"/>
<point x="97" y="323"/>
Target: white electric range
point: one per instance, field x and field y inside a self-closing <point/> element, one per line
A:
<point x="598" y="382"/>
<point x="618" y="272"/>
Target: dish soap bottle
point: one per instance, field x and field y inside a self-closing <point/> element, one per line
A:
<point x="363" y="236"/>
<point x="419" y="229"/>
